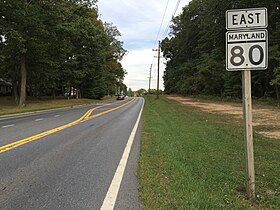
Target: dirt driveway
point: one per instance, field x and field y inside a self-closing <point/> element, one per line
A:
<point x="265" y="117"/>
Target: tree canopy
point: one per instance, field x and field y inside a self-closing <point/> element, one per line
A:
<point x="48" y="47"/>
<point x="195" y="51"/>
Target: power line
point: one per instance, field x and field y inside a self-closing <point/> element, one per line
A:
<point x="162" y="21"/>
<point x="167" y="3"/>
<point x="173" y="14"/>
<point x="164" y="34"/>
<point x="176" y="7"/>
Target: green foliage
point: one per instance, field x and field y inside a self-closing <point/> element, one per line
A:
<point x="195" y="52"/>
<point x="65" y="45"/>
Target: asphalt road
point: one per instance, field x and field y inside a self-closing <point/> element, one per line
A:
<point x="66" y="159"/>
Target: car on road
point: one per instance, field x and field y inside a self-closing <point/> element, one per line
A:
<point x="120" y="97"/>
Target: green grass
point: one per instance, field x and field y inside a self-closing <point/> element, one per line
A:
<point x="8" y="106"/>
<point x="195" y="160"/>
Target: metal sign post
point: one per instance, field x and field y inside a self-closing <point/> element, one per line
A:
<point x="246" y="50"/>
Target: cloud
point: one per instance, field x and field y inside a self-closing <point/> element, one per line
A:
<point x="139" y="22"/>
<point x="137" y="63"/>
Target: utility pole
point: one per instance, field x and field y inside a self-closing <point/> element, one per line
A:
<point x="158" y="69"/>
<point x="158" y="56"/>
<point x="150" y="77"/>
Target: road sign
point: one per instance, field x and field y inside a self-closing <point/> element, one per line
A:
<point x="246" y="18"/>
<point x="247" y="50"/>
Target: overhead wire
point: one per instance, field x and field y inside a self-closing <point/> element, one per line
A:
<point x="173" y="15"/>
<point x="160" y="27"/>
<point x="168" y="25"/>
<point x="163" y="17"/>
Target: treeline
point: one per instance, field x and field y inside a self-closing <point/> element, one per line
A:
<point x="195" y="52"/>
<point x="49" y="47"/>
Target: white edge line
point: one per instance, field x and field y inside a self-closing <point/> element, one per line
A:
<point x="111" y="196"/>
<point x="40" y="119"/>
<point x="7" y="126"/>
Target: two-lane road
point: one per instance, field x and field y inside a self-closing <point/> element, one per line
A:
<point x="71" y="158"/>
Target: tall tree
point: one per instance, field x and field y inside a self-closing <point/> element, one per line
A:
<point x="58" y="44"/>
<point x="195" y="52"/>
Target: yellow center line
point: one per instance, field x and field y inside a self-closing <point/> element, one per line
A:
<point x="83" y="118"/>
<point x="110" y="110"/>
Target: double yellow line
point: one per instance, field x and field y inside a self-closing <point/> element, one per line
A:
<point x="85" y="117"/>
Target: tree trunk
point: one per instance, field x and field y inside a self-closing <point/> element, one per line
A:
<point x="108" y="89"/>
<point x="23" y="72"/>
<point x="15" y="90"/>
<point x="53" y="93"/>
<point x="277" y="92"/>
<point x="15" y="84"/>
<point x="68" y="93"/>
<point x="77" y="93"/>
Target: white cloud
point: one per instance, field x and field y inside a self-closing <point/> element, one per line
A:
<point x="137" y="63"/>
<point x="139" y="22"/>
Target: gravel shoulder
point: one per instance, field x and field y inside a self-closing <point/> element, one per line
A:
<point x="266" y="119"/>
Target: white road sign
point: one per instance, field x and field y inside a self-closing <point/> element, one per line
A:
<point x="246" y="18"/>
<point x="247" y="50"/>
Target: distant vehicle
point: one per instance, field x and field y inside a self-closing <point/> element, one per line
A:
<point x="120" y="97"/>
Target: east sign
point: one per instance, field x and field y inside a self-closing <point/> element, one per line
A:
<point x="246" y="39"/>
<point x="246" y="18"/>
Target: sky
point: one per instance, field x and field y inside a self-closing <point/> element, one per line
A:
<point x="141" y="24"/>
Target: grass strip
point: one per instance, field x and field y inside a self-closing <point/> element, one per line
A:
<point x="8" y="106"/>
<point x="195" y="160"/>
